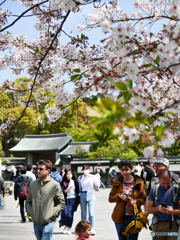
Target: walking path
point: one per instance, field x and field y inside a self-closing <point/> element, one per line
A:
<point x="12" y="229"/>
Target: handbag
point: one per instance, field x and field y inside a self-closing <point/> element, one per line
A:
<point x="133" y="224"/>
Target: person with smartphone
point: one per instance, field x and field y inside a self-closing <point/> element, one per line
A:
<point x="124" y="186"/>
<point x="163" y="204"/>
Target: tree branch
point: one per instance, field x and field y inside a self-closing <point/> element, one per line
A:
<point x="22" y="15"/>
<point x="164" y="108"/>
<point x="60" y="28"/>
<point x="2" y="2"/>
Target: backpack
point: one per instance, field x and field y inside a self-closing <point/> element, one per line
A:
<point x="113" y="173"/>
<point x="21" y="187"/>
<point x="175" y="199"/>
<point x="100" y="171"/>
<point x="133" y="224"/>
<point x="175" y="192"/>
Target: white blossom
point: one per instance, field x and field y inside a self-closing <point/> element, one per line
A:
<point x="105" y="24"/>
<point x="148" y="152"/>
<point x="167" y="139"/>
<point x="160" y="153"/>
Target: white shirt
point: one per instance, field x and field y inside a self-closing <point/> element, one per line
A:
<point x="71" y="193"/>
<point x="97" y="177"/>
<point x="86" y="184"/>
<point x="30" y="175"/>
<point x="110" y="170"/>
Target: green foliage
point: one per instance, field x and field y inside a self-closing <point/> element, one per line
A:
<point x="113" y="151"/>
<point x="2" y="153"/>
<point x="82" y="134"/>
<point x="4" y="161"/>
<point x="92" y="99"/>
<point x="80" y="152"/>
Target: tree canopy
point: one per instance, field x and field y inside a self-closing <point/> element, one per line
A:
<point x="113" y="151"/>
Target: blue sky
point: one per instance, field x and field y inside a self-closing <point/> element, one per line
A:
<point x="25" y="26"/>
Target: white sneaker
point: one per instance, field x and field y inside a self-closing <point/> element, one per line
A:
<point x="65" y="230"/>
<point x="69" y="231"/>
<point x="93" y="232"/>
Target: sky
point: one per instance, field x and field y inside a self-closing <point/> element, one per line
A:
<point x="25" y="26"/>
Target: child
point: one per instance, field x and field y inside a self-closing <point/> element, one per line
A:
<point x="83" y="229"/>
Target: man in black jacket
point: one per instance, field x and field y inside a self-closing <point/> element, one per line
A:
<point x="148" y="175"/>
<point x="2" y="188"/>
<point x="21" y="189"/>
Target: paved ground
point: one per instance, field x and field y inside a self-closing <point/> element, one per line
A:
<point x="12" y="229"/>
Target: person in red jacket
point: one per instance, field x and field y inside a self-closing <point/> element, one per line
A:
<point x="124" y="186"/>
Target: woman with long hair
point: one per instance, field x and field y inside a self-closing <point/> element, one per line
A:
<point x="87" y="197"/>
<point x="70" y="188"/>
<point x="124" y="186"/>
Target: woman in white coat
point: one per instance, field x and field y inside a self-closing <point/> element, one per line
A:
<point x="87" y="196"/>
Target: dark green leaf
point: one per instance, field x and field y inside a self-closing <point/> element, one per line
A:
<point x="101" y="71"/>
<point x="77" y="70"/>
<point x="127" y="96"/>
<point x="73" y="77"/>
<point x="120" y="95"/>
<point x="130" y="83"/>
<point x="36" y="50"/>
<point x="121" y="86"/>
<point x="158" y="59"/>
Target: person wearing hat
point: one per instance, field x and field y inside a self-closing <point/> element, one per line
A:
<point x="159" y="164"/>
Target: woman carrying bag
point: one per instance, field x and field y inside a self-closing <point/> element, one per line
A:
<point x="122" y="188"/>
<point x="70" y="188"/>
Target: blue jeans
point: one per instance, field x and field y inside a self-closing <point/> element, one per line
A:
<point x="44" y="232"/>
<point x="0" y="202"/>
<point x="102" y="184"/>
<point x="122" y="237"/>
<point x="91" y="208"/>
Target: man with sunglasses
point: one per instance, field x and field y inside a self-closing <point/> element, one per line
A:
<point x="45" y="201"/>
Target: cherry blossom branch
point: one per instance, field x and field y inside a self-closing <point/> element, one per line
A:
<point x="61" y="109"/>
<point x="175" y="82"/>
<point x="49" y="48"/>
<point x="156" y="113"/>
<point x="35" y="14"/>
<point x="22" y="15"/>
<point x="2" y="2"/>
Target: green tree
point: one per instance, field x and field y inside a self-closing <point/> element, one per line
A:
<point x="92" y="99"/>
<point x="80" y="152"/>
<point x="113" y="151"/>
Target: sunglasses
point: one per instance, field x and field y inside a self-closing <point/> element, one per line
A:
<point x="41" y="169"/>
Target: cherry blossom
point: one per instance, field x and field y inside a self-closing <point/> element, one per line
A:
<point x="132" y="133"/>
<point x="105" y="25"/>
<point x="148" y="152"/>
<point x="160" y="153"/>
<point x="142" y="65"/>
<point x="167" y="139"/>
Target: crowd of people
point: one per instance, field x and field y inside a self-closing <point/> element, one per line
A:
<point x="50" y="194"/>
